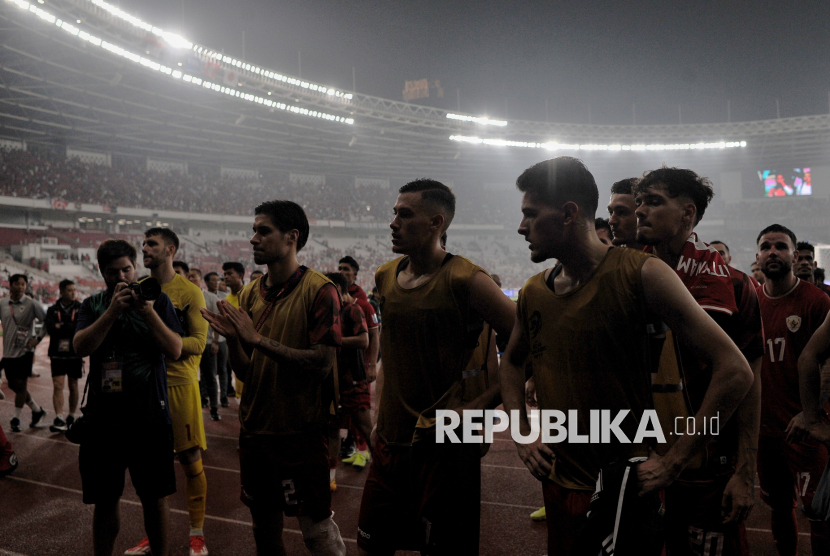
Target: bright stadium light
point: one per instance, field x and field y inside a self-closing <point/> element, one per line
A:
<point x="484" y="120"/>
<point x="555" y="146"/>
<point x="174" y="74"/>
<point x="171" y="38"/>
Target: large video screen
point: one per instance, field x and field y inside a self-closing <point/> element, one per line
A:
<point x="782" y="184"/>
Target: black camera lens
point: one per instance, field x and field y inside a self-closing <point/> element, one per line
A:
<point x="149" y="289"/>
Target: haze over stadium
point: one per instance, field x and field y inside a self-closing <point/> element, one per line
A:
<point x="118" y="116"/>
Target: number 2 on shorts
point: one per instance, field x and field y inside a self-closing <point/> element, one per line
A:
<point x="288" y="486"/>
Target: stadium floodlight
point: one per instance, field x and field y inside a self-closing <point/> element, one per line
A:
<point x="483" y="120"/>
<point x="556" y="146"/>
<point x="174" y="74"/>
<point x="172" y="39"/>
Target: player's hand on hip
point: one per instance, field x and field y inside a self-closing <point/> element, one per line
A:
<point x="798" y="430"/>
<point x="738" y="498"/>
<point x="654" y="474"/>
<point x="537" y="457"/>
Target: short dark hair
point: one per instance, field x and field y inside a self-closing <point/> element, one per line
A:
<point x="196" y="270"/>
<point x="560" y="180"/>
<point x="624" y="187"/>
<point x="181" y="264"/>
<point x="239" y="268"/>
<point x="113" y="249"/>
<point x="65" y="283"/>
<point x="15" y="277"/>
<point x="209" y="275"/>
<point x="168" y="235"/>
<point x="434" y="192"/>
<point x="777" y="229"/>
<point x="722" y="243"/>
<point x="679" y="182"/>
<point x="349" y="260"/>
<point x="602" y="224"/>
<point x="286" y="216"/>
<point x="257" y="271"/>
<point x="805" y="246"/>
<point x="339" y="280"/>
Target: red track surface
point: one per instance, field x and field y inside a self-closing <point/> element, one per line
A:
<point x="41" y="513"/>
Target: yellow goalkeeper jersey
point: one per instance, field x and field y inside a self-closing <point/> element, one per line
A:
<point x="187" y="298"/>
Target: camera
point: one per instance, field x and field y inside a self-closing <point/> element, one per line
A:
<point x="148" y="289"/>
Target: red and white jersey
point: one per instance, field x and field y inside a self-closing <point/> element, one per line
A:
<point x="789" y="322"/>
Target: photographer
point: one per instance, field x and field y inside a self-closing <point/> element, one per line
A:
<point x="126" y="422"/>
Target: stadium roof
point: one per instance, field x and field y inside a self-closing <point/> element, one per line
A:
<point x="83" y="74"/>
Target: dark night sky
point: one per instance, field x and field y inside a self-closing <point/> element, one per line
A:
<point x="508" y="57"/>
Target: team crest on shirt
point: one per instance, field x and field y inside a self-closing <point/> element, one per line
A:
<point x="793" y="323"/>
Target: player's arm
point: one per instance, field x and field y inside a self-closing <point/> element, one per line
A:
<point x="741" y="487"/>
<point x="536" y="456"/>
<point x="194" y="344"/>
<point x="732" y="377"/>
<point x="814" y="382"/>
<point x="361" y="341"/>
<point x="374" y="349"/>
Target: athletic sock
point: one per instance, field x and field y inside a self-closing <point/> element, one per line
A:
<point x="17" y="412"/>
<point x="332" y="473"/>
<point x="72" y="415"/>
<point x="197" y="533"/>
<point x="360" y="444"/>
<point x="59" y="416"/>
<point x="33" y="405"/>
<point x="196" y="489"/>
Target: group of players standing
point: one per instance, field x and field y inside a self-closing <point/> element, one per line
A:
<point x="659" y="322"/>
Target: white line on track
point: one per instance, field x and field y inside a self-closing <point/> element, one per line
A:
<point x="236" y="471"/>
<point x="10" y="553"/>
<point x="135" y="503"/>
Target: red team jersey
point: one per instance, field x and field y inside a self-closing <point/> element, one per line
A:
<point x="789" y="323"/>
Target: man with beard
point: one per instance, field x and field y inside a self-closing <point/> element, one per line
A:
<point x="622" y="219"/>
<point x="283" y="340"/>
<point x="583" y="362"/>
<point x="160" y="246"/>
<point x="716" y="494"/>
<point x="792" y="310"/>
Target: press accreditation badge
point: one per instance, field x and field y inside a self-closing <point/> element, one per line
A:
<point x="111" y="377"/>
<point x="63" y="346"/>
<point x="20" y="338"/>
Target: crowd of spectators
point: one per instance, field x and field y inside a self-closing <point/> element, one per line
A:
<point x="131" y="184"/>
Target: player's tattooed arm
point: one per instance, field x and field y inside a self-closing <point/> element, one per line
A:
<point x="318" y="358"/>
<point x="732" y="377"/>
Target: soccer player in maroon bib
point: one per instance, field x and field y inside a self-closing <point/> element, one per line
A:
<point x="792" y="310"/>
<point x="707" y="506"/>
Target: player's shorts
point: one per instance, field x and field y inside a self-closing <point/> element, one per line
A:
<point x="146" y="451"/>
<point x="425" y="498"/>
<point x="186" y="413"/>
<point x="356" y="398"/>
<point x="19" y="368"/>
<point x="789" y="471"/>
<point x="290" y="473"/>
<point x="73" y="368"/>
<point x="566" y="512"/>
<point x="694" y="525"/>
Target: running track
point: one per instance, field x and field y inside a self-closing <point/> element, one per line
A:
<point x="41" y="513"/>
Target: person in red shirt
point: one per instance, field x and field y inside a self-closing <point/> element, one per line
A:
<point x="349" y="268"/>
<point x="351" y="377"/>
<point x="792" y="310"/>
<point x="711" y="500"/>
